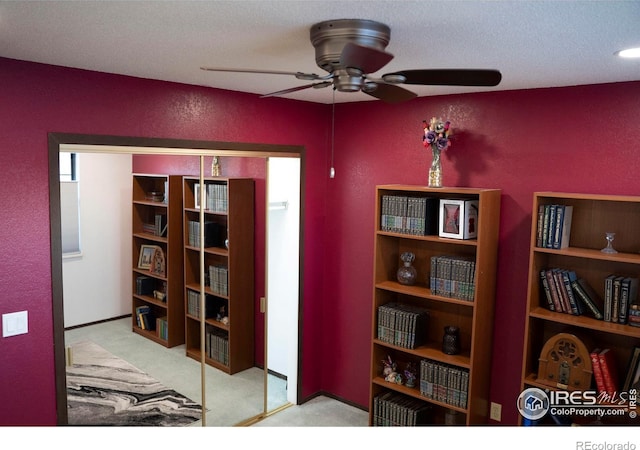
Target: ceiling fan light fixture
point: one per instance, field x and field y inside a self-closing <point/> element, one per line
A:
<point x="394" y="78"/>
<point x="629" y="53"/>
<point x="369" y="86"/>
<point x="346" y="81"/>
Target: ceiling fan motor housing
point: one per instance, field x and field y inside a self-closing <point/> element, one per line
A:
<point x="329" y="38"/>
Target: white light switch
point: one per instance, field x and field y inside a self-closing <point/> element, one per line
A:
<point x="15" y="323"/>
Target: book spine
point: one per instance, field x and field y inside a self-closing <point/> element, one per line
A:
<point x="552" y="226"/>
<point x="545" y="225"/>
<point x="586" y="299"/>
<point x="554" y="291"/>
<point x="562" y="294"/>
<point x="557" y="232"/>
<point x="608" y="371"/>
<point x="597" y="371"/>
<point x="547" y="290"/>
<point x="567" y="288"/>
<point x="539" y="230"/>
<point x="565" y="235"/>
<point x="624" y="300"/>
<point x="615" y="302"/>
<point x="608" y="296"/>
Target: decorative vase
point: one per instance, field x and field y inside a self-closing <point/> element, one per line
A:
<point x="435" y="171"/>
<point x="407" y="274"/>
<point x="451" y="340"/>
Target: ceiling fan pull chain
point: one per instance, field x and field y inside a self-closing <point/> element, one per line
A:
<point x="332" y="171"/>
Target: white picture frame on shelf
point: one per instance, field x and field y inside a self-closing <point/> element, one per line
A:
<point x="458" y="219"/>
<point x="196" y="195"/>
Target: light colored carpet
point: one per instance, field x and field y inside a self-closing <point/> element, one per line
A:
<point x="230" y="399"/>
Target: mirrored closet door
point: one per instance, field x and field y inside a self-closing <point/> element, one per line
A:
<point x="254" y="393"/>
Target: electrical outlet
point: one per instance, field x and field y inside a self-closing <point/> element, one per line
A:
<point x="496" y="412"/>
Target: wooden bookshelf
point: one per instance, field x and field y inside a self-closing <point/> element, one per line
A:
<point x="229" y="271"/>
<point x="473" y="317"/>
<point x="162" y="295"/>
<point x="593" y="215"/>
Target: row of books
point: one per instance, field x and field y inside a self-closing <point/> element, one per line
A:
<point x="215" y="197"/>
<point x="444" y="382"/>
<point x="219" y="280"/>
<point x="214" y="306"/>
<point x="395" y="409"/>
<point x="193" y="303"/>
<point x="217" y="345"/>
<point x="402" y="324"/>
<point x="608" y="379"/>
<point x="621" y="300"/>
<point x="161" y="328"/>
<point x="554" y="226"/>
<point x="453" y="276"/>
<point x="145" y="285"/>
<point x="158" y="227"/>
<point x="409" y="215"/>
<point x="604" y="370"/>
<point x="565" y="292"/>
<point x="144" y="318"/>
<point x="213" y="234"/>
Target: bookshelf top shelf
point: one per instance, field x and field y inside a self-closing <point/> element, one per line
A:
<point x="443" y="190"/>
<point x="589" y="197"/>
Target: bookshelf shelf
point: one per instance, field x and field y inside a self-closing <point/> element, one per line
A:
<point x="470" y="242"/>
<point x="422" y="291"/>
<point x="229" y="272"/>
<point x="593" y="215"/>
<point x="473" y="317"/>
<point x="165" y="318"/>
<point x="430" y="351"/>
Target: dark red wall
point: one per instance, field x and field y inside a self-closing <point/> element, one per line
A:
<point x="39" y="99"/>
<point x="579" y="139"/>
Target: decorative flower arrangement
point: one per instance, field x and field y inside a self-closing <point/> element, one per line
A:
<point x="436" y="134"/>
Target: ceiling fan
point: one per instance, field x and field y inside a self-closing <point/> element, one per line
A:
<point x="352" y="49"/>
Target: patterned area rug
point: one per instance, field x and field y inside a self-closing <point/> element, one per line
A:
<point x="104" y="390"/>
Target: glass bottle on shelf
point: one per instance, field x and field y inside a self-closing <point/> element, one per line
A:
<point x="407" y="274"/>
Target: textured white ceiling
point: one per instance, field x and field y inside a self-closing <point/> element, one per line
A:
<point x="533" y="43"/>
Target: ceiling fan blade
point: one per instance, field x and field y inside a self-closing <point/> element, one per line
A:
<point x="390" y="93"/>
<point x="367" y="59"/>
<point x="449" y="77"/>
<point x="298" y="75"/>
<point x="298" y="88"/>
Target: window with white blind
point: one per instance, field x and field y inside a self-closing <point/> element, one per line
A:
<point x="69" y="204"/>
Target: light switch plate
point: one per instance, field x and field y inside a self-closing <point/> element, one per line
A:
<point x="15" y="323"/>
<point x="496" y="412"/>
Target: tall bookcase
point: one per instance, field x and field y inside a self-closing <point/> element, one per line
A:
<point x="228" y="267"/>
<point x="473" y="316"/>
<point x="592" y="217"/>
<point x="157" y="305"/>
